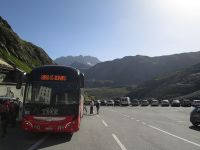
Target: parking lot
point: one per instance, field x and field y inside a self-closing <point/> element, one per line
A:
<point x="118" y="128"/>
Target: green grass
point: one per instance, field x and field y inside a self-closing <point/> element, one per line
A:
<point x="106" y="93"/>
<point x="21" y="65"/>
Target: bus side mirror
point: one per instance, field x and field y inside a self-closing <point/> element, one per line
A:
<point x="81" y="80"/>
<point x="19" y="81"/>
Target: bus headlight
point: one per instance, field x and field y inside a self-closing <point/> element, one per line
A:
<point x="68" y="125"/>
<point x="29" y="124"/>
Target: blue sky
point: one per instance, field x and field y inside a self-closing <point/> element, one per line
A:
<point x="107" y="29"/>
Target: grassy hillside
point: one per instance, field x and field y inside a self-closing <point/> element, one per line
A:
<point x="178" y="84"/>
<point x="107" y="93"/>
<point x="134" y="70"/>
<point x="18" y="52"/>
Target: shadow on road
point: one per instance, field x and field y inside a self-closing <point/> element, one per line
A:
<point x="195" y="128"/>
<point x="55" y="139"/>
<point x="18" y="140"/>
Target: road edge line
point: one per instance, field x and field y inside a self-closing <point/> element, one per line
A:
<point x="34" y="146"/>
<point x="180" y="138"/>
<point x="104" y="123"/>
<point x="119" y="142"/>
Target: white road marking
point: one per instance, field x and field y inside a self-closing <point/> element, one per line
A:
<point x="132" y="118"/>
<point x="104" y="123"/>
<point x="175" y="136"/>
<point x="143" y="123"/>
<point x="137" y="120"/>
<point x="33" y="147"/>
<point x="118" y="142"/>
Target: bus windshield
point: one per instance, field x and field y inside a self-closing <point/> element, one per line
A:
<point x="48" y="93"/>
<point x="50" y="98"/>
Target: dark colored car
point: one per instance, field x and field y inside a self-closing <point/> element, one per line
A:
<point x="175" y="103"/>
<point x="186" y="103"/>
<point x="135" y="102"/>
<point x="103" y="102"/>
<point x="117" y="102"/>
<point x="195" y="116"/>
<point x="165" y="102"/>
<point x="144" y="103"/>
<point x="154" y="102"/>
<point x="110" y="103"/>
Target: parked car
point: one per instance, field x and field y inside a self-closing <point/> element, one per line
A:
<point x="97" y="101"/>
<point x="125" y="101"/>
<point x="186" y="103"/>
<point x="103" y="102"/>
<point x="2" y="99"/>
<point x="110" y="103"/>
<point x="165" y="102"/>
<point x="117" y="102"/>
<point x="144" y="103"/>
<point x="175" y="103"/>
<point x="195" y="116"/>
<point x="135" y="102"/>
<point x="154" y="102"/>
<point x="196" y="103"/>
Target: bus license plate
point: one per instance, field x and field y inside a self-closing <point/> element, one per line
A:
<point x="48" y="128"/>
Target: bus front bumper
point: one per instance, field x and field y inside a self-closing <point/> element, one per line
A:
<point x="47" y="126"/>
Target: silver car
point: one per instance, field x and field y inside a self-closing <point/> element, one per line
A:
<point x="154" y="102"/>
<point x="165" y="102"/>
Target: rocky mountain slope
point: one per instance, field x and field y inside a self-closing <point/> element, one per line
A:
<point x="18" y="52"/>
<point x="178" y="84"/>
<point x="133" y="70"/>
<point x="80" y="62"/>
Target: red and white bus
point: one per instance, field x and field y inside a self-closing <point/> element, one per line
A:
<point x="53" y="100"/>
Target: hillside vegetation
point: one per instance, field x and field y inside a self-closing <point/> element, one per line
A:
<point x="106" y="93"/>
<point x="18" y="52"/>
<point x="184" y="82"/>
<point x="134" y="70"/>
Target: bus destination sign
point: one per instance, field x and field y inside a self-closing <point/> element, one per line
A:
<point x="46" y="77"/>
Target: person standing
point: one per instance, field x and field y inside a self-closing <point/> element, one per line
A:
<point x="91" y="107"/>
<point x="98" y="106"/>
<point x="4" y="119"/>
<point x="12" y="114"/>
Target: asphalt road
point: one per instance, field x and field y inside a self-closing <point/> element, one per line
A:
<point x="117" y="128"/>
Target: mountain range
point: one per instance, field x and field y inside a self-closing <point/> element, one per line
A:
<point x="177" y="84"/>
<point x="134" y="70"/>
<point x="80" y="62"/>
